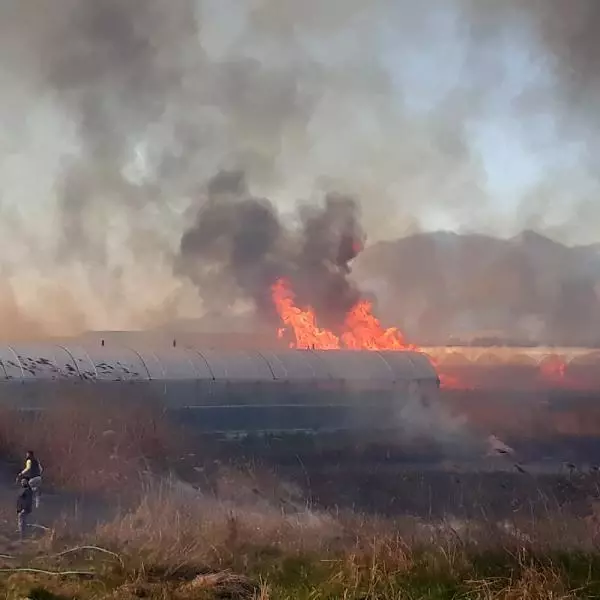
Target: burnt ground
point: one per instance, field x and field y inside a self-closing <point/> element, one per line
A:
<point x="439" y="493"/>
<point x="553" y="462"/>
<point x="554" y="441"/>
<point x="429" y="492"/>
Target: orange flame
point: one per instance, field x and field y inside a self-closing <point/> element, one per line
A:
<point x="554" y="368"/>
<point x="363" y="331"/>
<point x="303" y="323"/>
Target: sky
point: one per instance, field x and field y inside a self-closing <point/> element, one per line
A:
<point x="452" y="114"/>
<point x="429" y="56"/>
<point x="516" y="151"/>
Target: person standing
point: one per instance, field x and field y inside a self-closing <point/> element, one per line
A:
<point x="24" y="506"/>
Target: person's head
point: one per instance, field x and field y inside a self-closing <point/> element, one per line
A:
<point x="29" y="454"/>
<point x="24" y="483"/>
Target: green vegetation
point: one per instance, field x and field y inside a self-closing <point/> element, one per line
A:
<point x="267" y="573"/>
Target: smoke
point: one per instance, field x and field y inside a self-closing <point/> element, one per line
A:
<point x="239" y="246"/>
<point x="566" y="35"/>
<point x="525" y="290"/>
<point x="421" y="417"/>
<point x="557" y="104"/>
<point x="116" y="114"/>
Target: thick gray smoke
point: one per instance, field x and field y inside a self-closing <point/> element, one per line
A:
<point x="116" y="113"/>
<point x="239" y="246"/>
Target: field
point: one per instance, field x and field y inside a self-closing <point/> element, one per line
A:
<point x="137" y="506"/>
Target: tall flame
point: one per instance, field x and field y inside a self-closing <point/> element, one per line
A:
<point x="365" y="332"/>
<point x="303" y="323"/>
<point x="362" y="330"/>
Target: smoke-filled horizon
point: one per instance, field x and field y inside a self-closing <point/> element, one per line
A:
<point x="465" y="114"/>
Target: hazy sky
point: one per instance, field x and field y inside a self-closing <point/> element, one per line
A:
<point x="462" y="114"/>
<point x="517" y="150"/>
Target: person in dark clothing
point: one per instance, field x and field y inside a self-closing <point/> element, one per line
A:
<point x="24" y="506"/>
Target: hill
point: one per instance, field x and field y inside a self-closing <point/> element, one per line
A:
<point x="441" y="287"/>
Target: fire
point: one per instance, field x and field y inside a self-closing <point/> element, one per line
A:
<point x="303" y="323"/>
<point x="553" y="371"/>
<point x="365" y="332"/>
<point x="553" y="368"/>
<point x="362" y="330"/>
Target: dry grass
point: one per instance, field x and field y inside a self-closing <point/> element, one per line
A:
<point x="89" y="444"/>
<point x="254" y="537"/>
<point x="179" y="543"/>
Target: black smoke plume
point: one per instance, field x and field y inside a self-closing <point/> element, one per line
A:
<point x="239" y="246"/>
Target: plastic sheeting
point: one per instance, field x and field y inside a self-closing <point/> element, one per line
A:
<point x="119" y="363"/>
